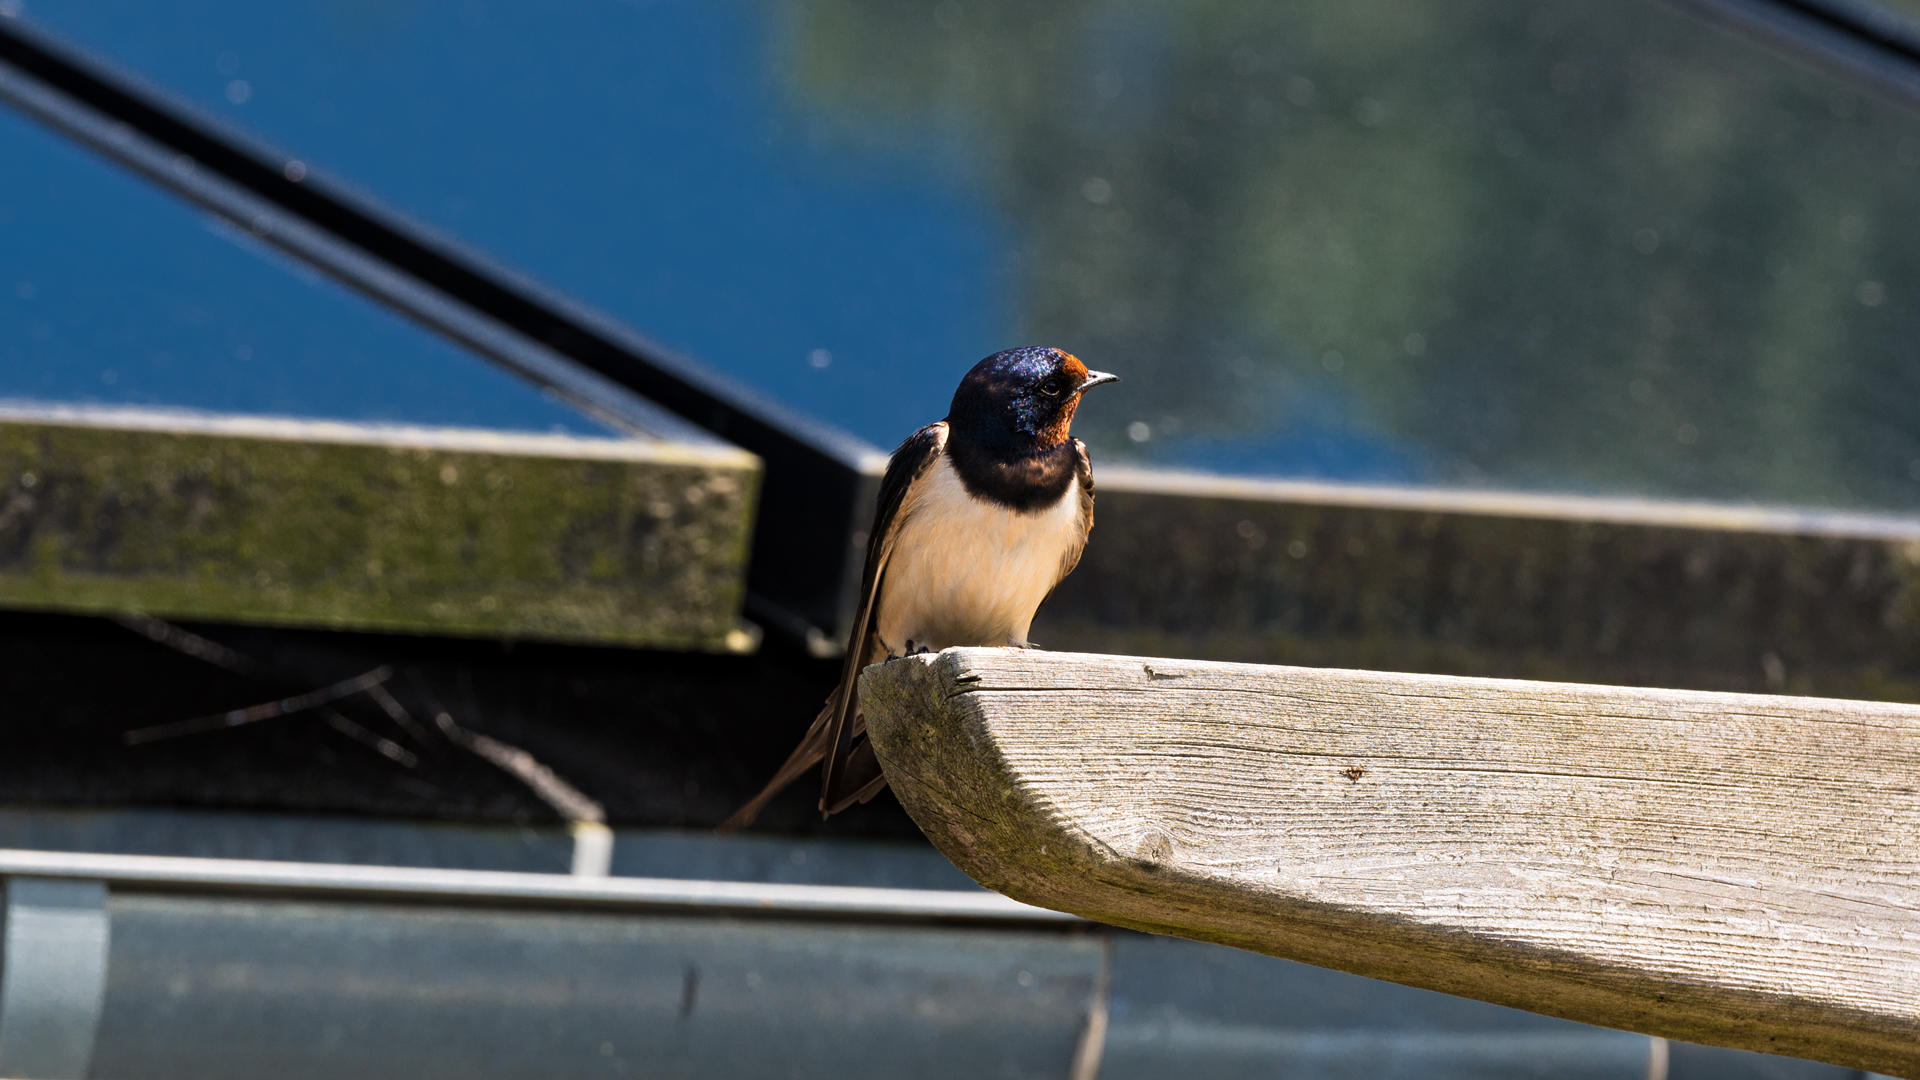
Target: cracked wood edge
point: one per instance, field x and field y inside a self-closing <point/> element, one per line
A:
<point x="1734" y="869"/>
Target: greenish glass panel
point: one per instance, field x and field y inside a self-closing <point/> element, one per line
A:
<point x="1602" y="247"/>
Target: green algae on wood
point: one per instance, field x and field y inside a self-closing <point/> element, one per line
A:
<point x="371" y="527"/>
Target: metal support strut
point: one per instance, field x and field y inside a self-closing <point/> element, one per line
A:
<point x="53" y="976"/>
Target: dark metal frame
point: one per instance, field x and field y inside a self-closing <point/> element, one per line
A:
<point x="1858" y="39"/>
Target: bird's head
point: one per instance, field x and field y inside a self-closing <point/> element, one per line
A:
<point x="1022" y="399"/>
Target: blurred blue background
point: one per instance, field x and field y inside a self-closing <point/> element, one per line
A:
<point x="1557" y="246"/>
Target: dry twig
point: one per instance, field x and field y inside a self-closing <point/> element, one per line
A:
<point x="264" y="711"/>
<point x="570" y="802"/>
<point x="361" y="735"/>
<point x="165" y="633"/>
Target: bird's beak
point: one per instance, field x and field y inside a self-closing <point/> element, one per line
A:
<point x="1095" y="378"/>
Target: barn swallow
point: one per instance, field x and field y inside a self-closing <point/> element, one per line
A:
<point x="980" y="515"/>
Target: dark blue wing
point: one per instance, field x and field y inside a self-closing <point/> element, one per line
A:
<point x="852" y="774"/>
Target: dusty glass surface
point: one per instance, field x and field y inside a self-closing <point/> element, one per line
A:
<point x="1562" y="245"/>
<point x="114" y="293"/>
<point x="1555" y="246"/>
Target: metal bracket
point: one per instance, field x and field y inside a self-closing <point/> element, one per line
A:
<point x="53" y="976"/>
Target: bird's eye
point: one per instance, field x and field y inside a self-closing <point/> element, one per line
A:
<point x="1051" y="388"/>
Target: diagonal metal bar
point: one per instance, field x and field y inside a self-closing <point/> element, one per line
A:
<point x="1867" y="20"/>
<point x="1859" y="40"/>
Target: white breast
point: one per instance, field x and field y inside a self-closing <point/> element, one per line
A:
<point x="965" y="571"/>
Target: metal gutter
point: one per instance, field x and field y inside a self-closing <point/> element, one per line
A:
<point x="293" y="880"/>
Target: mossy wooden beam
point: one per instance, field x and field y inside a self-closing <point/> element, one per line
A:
<point x="1733" y="869"/>
<point x="368" y="527"/>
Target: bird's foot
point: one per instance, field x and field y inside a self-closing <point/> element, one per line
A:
<point x="921" y="651"/>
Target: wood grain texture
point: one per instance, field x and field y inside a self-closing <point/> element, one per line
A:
<point x="1733" y="869"/>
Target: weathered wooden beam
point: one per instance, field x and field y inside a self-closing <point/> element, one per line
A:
<point x="372" y="527"/>
<point x="1732" y="869"/>
<point x="1625" y="591"/>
